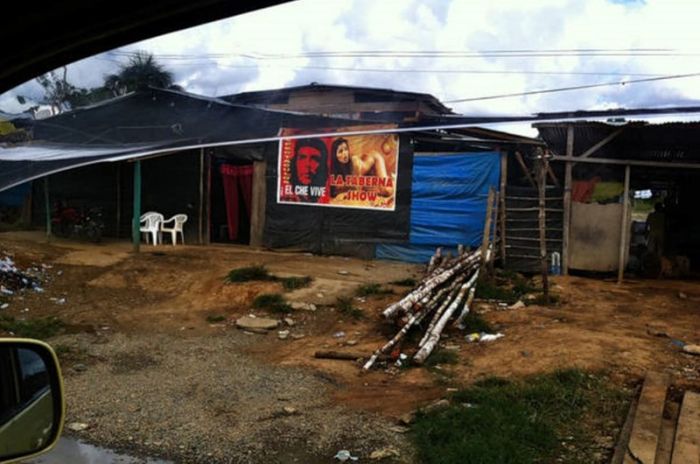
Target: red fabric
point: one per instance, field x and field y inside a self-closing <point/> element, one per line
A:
<point x="236" y="179"/>
<point x="582" y="190"/>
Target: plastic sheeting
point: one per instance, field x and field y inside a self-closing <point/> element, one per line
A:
<point x="448" y="203"/>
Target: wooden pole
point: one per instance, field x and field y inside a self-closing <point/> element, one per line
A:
<point x="207" y="200"/>
<point x="47" y="203"/>
<point x="486" y="238"/>
<point x="494" y="231"/>
<point x="136" y="219"/>
<point x="542" y="183"/>
<point x="502" y="197"/>
<point x="568" y="169"/>
<point x="624" y="226"/>
<point x="119" y="198"/>
<point x="201" y="196"/>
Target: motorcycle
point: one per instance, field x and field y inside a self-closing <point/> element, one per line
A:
<point x="70" y="223"/>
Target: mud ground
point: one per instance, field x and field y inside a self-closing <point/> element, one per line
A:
<point x="154" y="376"/>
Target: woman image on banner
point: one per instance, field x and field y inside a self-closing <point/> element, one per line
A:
<point x="348" y="167"/>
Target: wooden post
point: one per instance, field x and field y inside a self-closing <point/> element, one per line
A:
<point x="542" y="183"/>
<point x="259" y="204"/>
<point x="136" y="219"/>
<point x="207" y="200"/>
<point x="47" y="203"/>
<point x="494" y="232"/>
<point x="502" y="197"/>
<point x="119" y="198"/>
<point x="201" y="197"/>
<point x="568" y="168"/>
<point x="486" y="238"/>
<point x="624" y="226"/>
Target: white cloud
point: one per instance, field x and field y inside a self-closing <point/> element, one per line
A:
<point x="211" y="59"/>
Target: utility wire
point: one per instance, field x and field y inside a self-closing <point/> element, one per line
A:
<point x="578" y="87"/>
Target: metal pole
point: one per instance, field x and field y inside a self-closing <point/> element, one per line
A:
<point x="47" y="204"/>
<point x="136" y="220"/>
<point x="624" y="226"/>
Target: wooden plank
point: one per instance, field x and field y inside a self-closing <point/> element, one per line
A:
<point x="668" y="431"/>
<point x="686" y="448"/>
<point x="647" y="421"/>
<point x="624" y="436"/>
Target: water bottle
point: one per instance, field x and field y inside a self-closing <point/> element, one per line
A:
<point x="555" y="266"/>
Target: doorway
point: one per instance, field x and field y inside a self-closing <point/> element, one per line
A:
<point x="231" y="200"/>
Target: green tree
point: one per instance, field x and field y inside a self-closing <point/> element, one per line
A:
<point x="57" y="90"/>
<point x="142" y="71"/>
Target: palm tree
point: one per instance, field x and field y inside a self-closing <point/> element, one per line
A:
<point x="141" y="72"/>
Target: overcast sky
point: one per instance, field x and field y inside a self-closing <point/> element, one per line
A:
<point x="261" y="50"/>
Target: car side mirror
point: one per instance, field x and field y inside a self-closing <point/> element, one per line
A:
<point x="32" y="406"/>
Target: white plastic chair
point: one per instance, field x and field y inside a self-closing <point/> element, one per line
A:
<point x="178" y="221"/>
<point x="150" y="225"/>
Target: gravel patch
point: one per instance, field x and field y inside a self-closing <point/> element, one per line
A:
<point x="201" y="400"/>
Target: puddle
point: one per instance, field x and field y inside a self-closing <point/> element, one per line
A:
<point x="73" y="451"/>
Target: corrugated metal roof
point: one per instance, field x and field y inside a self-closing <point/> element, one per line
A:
<point x="638" y="140"/>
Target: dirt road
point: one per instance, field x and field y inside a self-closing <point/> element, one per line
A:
<point x="148" y="372"/>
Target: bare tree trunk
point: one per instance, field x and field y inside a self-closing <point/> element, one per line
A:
<point x="465" y="311"/>
<point x="407" y="302"/>
<point x="415" y="319"/>
<point x="434" y="337"/>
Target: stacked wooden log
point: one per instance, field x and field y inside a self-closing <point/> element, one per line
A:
<point x="445" y="293"/>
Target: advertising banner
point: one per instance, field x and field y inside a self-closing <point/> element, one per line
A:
<point x="356" y="171"/>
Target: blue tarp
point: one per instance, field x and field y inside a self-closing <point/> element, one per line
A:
<point x="16" y="195"/>
<point x="448" y="204"/>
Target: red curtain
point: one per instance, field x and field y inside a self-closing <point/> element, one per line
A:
<point x="237" y="180"/>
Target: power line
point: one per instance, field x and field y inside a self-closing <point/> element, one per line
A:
<point x="412" y="70"/>
<point x="578" y="87"/>
<point x="544" y="53"/>
<point x="439" y="71"/>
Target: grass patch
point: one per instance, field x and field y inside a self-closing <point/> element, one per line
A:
<point x="441" y="356"/>
<point x="70" y="354"/>
<point x="260" y="273"/>
<point x="539" y="300"/>
<point x="248" y="273"/>
<point x="527" y="421"/>
<point x="292" y="283"/>
<point x="214" y="318"/>
<point x="41" y="328"/>
<point x="273" y="302"/>
<point x="475" y="323"/>
<point x="372" y="289"/>
<point x="404" y="282"/>
<point x="345" y="307"/>
<point x="487" y="290"/>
